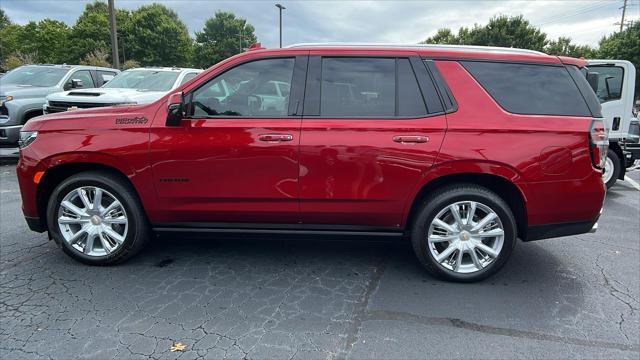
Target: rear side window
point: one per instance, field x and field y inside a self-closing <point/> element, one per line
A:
<point x="358" y="87"/>
<point x="106" y="76"/>
<point x="529" y="88"/>
<point x="187" y="77"/>
<point x="609" y="82"/>
<point x="410" y="100"/>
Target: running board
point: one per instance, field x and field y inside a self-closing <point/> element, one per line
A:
<point x="278" y="229"/>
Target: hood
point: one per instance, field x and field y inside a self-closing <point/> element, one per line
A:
<point x="107" y="96"/>
<point x="25" y="91"/>
<point x="85" y="118"/>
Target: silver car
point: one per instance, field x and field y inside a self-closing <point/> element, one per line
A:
<point x="23" y="91"/>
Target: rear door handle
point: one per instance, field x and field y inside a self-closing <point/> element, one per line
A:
<point x="275" y="137"/>
<point x="410" y="138"/>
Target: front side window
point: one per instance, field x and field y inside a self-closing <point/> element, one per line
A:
<point x="39" y="76"/>
<point x="144" y="80"/>
<point x="358" y="87"/>
<point x="530" y="89"/>
<point x="82" y="75"/>
<point x="609" y="82"/>
<point x="249" y="90"/>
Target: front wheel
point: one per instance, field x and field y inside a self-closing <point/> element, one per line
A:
<point x="97" y="219"/>
<point x="464" y="233"/>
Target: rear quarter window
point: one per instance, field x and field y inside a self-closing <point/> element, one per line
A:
<point x="530" y="89"/>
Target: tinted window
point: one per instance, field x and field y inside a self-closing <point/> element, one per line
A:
<point x="609" y="82"/>
<point x="410" y="101"/>
<point x="358" y="87"/>
<point x="530" y="89"/>
<point x="188" y="77"/>
<point x="247" y="90"/>
<point x="84" y="76"/>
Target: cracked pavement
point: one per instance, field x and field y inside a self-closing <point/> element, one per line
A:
<point x="573" y="297"/>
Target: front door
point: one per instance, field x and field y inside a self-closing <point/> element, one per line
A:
<point x="372" y="127"/>
<point x="235" y="157"/>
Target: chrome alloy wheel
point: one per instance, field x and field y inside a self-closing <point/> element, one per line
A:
<point x="92" y="221"/>
<point x="465" y="237"/>
<point x="607" y="172"/>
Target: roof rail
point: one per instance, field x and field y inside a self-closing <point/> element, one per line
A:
<point x="422" y="46"/>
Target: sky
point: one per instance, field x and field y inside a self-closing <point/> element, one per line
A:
<point x="585" y="22"/>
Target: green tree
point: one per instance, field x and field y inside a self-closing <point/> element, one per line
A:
<point x="4" y="20"/>
<point x="443" y="36"/>
<point x="564" y="47"/>
<point x="47" y="40"/>
<point x="157" y="37"/>
<point x="501" y="31"/>
<point x="91" y="33"/>
<point x="223" y="35"/>
<point x="624" y="45"/>
<point x="10" y="41"/>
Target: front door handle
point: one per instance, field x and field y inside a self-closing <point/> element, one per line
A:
<point x="410" y="139"/>
<point x="275" y="137"/>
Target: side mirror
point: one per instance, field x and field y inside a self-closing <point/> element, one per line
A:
<point x="175" y="109"/>
<point x="76" y="83"/>
<point x="592" y="79"/>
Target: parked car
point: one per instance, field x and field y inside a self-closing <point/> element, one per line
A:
<point x="462" y="149"/>
<point x="23" y="91"/>
<point x="615" y="87"/>
<point x="134" y="86"/>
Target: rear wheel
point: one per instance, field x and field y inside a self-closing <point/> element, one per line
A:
<point x="464" y="233"/>
<point x="97" y="219"/>
<point x="612" y="168"/>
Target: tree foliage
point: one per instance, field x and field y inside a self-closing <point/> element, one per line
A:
<point x="223" y="35"/>
<point x="501" y="31"/>
<point x="156" y="36"/>
<point x="91" y="33"/>
<point x="563" y="47"/>
<point x="4" y="19"/>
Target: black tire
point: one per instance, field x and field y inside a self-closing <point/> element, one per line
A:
<point x="445" y="197"/>
<point x="615" y="159"/>
<point x="138" y="228"/>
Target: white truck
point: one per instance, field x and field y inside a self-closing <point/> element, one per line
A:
<point x="615" y="88"/>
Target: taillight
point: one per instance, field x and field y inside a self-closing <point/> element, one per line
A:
<point x="598" y="143"/>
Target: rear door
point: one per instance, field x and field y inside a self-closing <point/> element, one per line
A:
<point x="372" y="126"/>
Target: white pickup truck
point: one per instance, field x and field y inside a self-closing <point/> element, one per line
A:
<point x="615" y="88"/>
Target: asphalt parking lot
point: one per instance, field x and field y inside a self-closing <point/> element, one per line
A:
<point x="573" y="297"/>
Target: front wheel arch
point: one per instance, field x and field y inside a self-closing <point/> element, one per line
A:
<point x="57" y="174"/>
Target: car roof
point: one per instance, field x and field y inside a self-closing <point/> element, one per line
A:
<point x="67" y="66"/>
<point x="435" y="51"/>
<point x="174" y="69"/>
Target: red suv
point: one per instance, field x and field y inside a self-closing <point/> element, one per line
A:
<point x="461" y="149"/>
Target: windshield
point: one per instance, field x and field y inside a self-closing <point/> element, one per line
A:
<point x="144" y="80"/>
<point x="40" y="76"/>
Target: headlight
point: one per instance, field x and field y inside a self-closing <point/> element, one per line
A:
<point x="26" y="138"/>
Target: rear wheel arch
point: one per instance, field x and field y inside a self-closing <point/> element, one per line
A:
<point x="503" y="187"/>
<point x="54" y="176"/>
